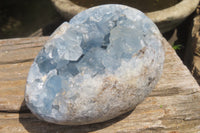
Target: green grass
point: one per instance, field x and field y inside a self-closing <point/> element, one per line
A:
<point x="177" y="46"/>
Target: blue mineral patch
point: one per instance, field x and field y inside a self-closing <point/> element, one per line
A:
<point x="95" y="42"/>
<point x="100" y="41"/>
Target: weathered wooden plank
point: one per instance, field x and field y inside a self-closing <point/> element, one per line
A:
<point x="173" y="106"/>
<point x="174" y="115"/>
<point x="16" y="57"/>
<point x="19" y="50"/>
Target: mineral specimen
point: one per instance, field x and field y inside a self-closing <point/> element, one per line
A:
<point x="101" y="64"/>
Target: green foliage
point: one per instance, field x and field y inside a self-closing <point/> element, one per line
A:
<point x="177" y="46"/>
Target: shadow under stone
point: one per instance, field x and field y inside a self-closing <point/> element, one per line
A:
<point x="33" y="125"/>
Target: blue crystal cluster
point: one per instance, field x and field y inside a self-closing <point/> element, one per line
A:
<point x="69" y="73"/>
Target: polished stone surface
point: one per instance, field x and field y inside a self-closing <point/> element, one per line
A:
<point x="101" y="64"/>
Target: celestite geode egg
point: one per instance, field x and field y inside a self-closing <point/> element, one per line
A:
<point x="101" y="64"/>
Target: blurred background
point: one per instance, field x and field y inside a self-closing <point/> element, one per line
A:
<point x="26" y="18"/>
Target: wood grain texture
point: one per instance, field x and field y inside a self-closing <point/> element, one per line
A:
<point x="172" y="107"/>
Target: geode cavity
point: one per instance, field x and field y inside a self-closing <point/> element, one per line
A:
<point x="101" y="64"/>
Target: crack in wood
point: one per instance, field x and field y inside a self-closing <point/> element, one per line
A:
<point x="17" y="61"/>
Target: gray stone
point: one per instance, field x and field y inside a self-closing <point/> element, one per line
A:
<point x="166" y="19"/>
<point x="101" y="64"/>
